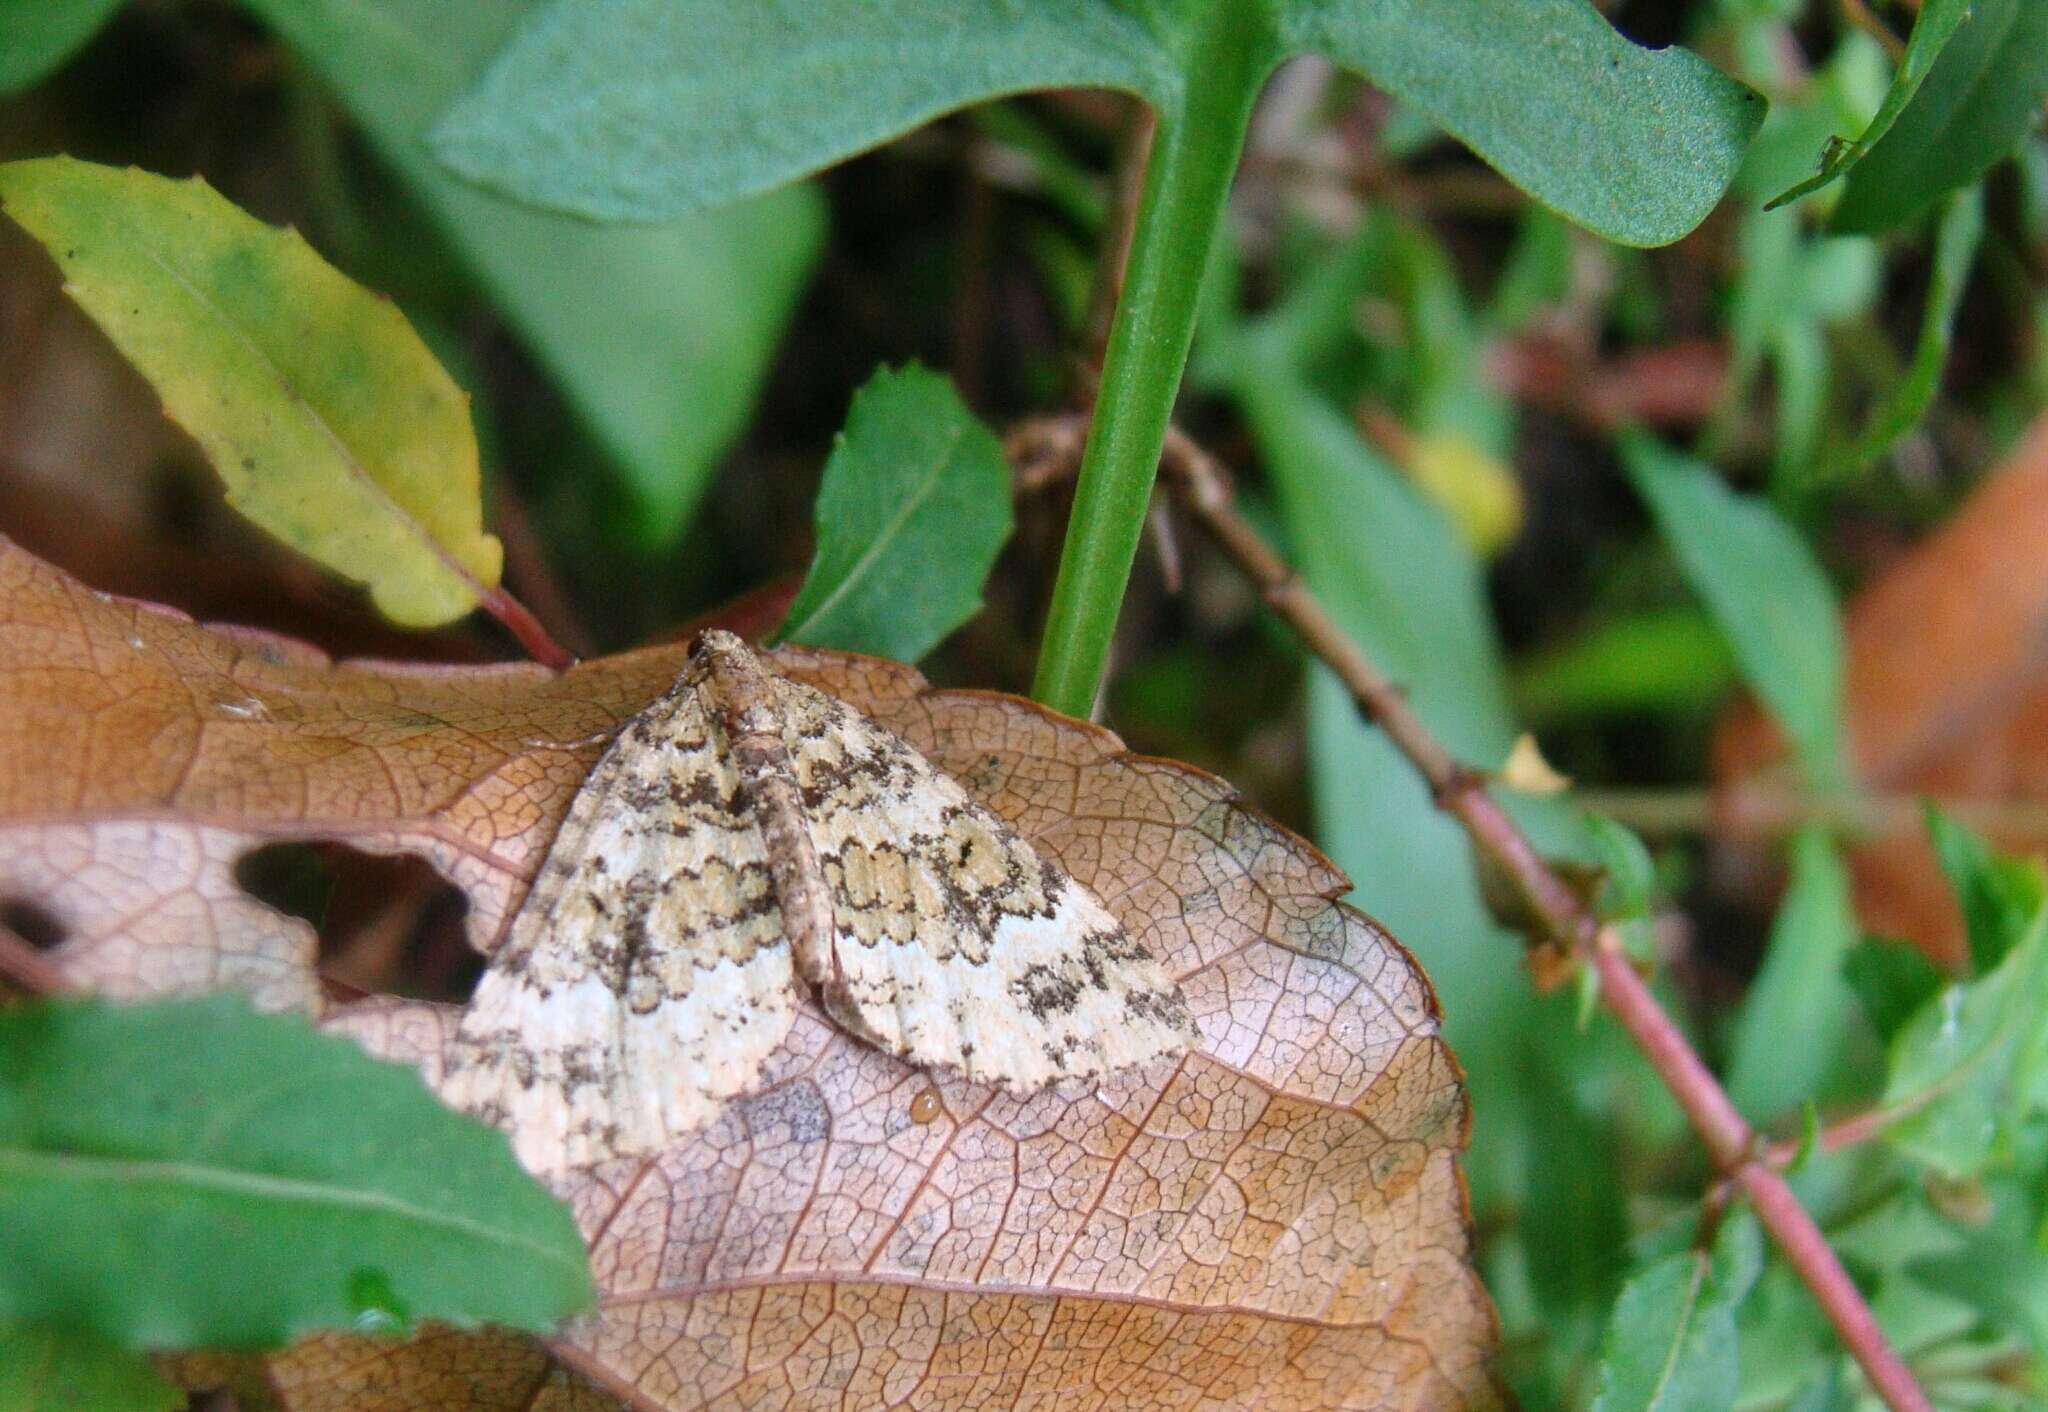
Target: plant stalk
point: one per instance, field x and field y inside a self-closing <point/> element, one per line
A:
<point x="1187" y="188"/>
<point x="516" y="618"/>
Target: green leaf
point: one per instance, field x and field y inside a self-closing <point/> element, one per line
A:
<point x="192" y="1174"/>
<point x="324" y="414"/>
<point x="1627" y="896"/>
<point x="1999" y="896"/>
<point x="1955" y="246"/>
<point x="1931" y="32"/>
<point x="1967" y="1062"/>
<point x="645" y="109"/>
<point x="1789" y="1031"/>
<point x="1999" y="1266"/>
<point x="1762" y="585"/>
<point x="1671" y="1345"/>
<point x="1666" y="660"/>
<point x="659" y="336"/>
<point x="1978" y="101"/>
<point x="1630" y="883"/>
<point x="36" y="36"/>
<point x="914" y="507"/>
<point x="48" y="1369"/>
<point x="1892" y="979"/>
<point x="628" y="109"/>
<point x="1635" y="144"/>
<point x="1823" y="1394"/>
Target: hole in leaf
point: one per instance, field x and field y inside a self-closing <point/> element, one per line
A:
<point x="387" y="925"/>
<point x="34" y="924"/>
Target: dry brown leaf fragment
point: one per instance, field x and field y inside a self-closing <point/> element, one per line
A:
<point x="1275" y="1220"/>
<point x="1946" y="695"/>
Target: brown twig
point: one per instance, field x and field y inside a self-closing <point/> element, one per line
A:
<point x="1848" y="1132"/>
<point x="1754" y="809"/>
<point x="1460" y="791"/>
<point x="1858" y="15"/>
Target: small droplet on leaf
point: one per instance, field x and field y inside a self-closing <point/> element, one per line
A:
<point x="925" y="1107"/>
<point x="376" y="1304"/>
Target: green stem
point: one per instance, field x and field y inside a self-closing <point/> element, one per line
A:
<point x="1187" y="187"/>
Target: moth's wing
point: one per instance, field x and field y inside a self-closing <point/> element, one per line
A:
<point x="646" y="978"/>
<point x="956" y="944"/>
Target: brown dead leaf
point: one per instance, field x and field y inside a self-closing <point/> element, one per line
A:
<point x="1947" y="696"/>
<point x="1277" y="1221"/>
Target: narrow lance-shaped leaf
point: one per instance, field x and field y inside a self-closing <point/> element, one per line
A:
<point x="49" y="1369"/>
<point x="1999" y="896"/>
<point x="38" y="35"/>
<point x="1937" y="24"/>
<point x="1762" y="585"/>
<point x="1978" y="101"/>
<point x="327" y="419"/>
<point x="192" y="1173"/>
<point x="914" y="506"/>
<point x="1955" y="246"/>
<point x="1789" y="1031"/>
<point x="639" y="109"/>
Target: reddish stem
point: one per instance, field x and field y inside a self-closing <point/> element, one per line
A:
<point x="523" y="625"/>
<point x="1563" y="915"/>
<point x="29" y="968"/>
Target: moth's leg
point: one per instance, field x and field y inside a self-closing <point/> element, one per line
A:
<point x="736" y="688"/>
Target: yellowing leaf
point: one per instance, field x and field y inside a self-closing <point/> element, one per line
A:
<point x="1481" y="495"/>
<point x="329" y="422"/>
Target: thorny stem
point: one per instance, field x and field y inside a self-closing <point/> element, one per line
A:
<point x="1736" y="1149"/>
<point x="521" y="623"/>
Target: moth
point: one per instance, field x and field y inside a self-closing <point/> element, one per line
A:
<point x="745" y="834"/>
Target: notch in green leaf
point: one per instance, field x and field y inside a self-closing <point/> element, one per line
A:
<point x="1765" y="590"/>
<point x="914" y="507"/>
<point x="327" y="419"/>
<point x="193" y="1174"/>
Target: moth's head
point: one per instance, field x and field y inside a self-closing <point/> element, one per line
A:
<point x="715" y="640"/>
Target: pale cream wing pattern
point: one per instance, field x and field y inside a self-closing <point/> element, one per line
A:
<point x="647" y="977"/>
<point x="955" y="943"/>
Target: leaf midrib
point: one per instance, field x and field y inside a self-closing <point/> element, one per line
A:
<point x="262" y="1186"/>
<point x="347" y="453"/>
<point x="885" y="536"/>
